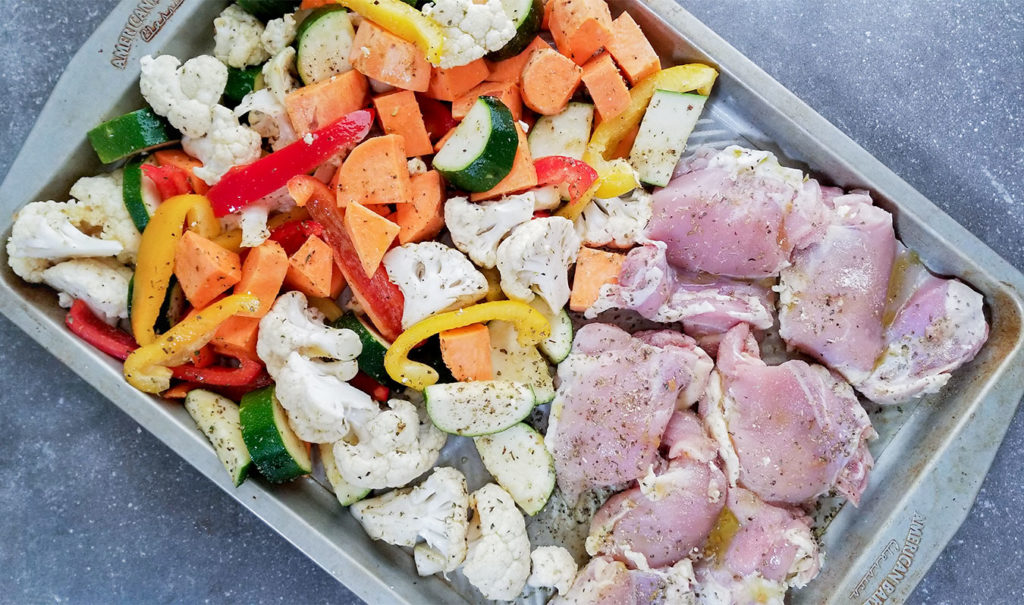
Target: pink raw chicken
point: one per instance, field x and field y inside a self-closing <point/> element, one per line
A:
<point x="706" y="305"/>
<point x="615" y="396"/>
<point x="789" y="433"/>
<point x="668" y="516"/>
<point x="756" y="552"/>
<point x="934" y="326"/>
<point x="604" y="581"/>
<point x="737" y="213"/>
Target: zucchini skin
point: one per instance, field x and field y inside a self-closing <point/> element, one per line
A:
<point x="265" y="10"/>
<point x="261" y="417"/>
<point x="526" y="30"/>
<point x="494" y="160"/>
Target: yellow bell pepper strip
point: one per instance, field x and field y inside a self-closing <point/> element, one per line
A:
<point x="148" y="368"/>
<point x="531" y="326"/>
<point x="405" y="22"/>
<point x="155" y="262"/>
<point x="574" y="209"/>
<point x="617" y="176"/>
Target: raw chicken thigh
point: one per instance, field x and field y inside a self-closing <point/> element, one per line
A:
<point x="604" y="581"/>
<point x="736" y="213"/>
<point x="789" y="433"/>
<point x="668" y="515"/>
<point x="614" y="400"/>
<point x="832" y="298"/>
<point x="934" y="326"/>
<point x="755" y="553"/>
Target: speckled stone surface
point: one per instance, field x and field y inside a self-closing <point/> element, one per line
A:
<point x="94" y="510"/>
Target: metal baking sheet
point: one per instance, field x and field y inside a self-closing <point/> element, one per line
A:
<point x="932" y="454"/>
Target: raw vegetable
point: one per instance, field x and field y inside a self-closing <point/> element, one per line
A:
<point x="522" y="176"/>
<point x="375" y="172"/>
<point x="506" y="92"/>
<point x="467" y="352"/>
<point x="557" y="346"/>
<point x="450" y="84"/>
<point x="132" y="133"/>
<point x="243" y="185"/>
<point x="437" y="118"/>
<point x="218" y="418"/>
<point x="580" y="27"/>
<point x="573" y="176"/>
<point x="566" y="133"/>
<point x="265" y="10"/>
<point x="605" y="85"/>
<point x="177" y="157"/>
<point x="169" y="180"/>
<point x="498" y="556"/>
<point x="433" y="278"/>
<point x="631" y="49"/>
<point x="482" y="150"/>
<point x="534" y="260"/>
<point x="148" y="367"/>
<point x="667" y="124"/>
<point x="511" y="69"/>
<point x="204" y="269"/>
<point x="388" y="58"/>
<point x="313" y="106"/>
<point x="549" y="80"/>
<point x="405" y="21"/>
<point x="346" y="493"/>
<point x="422" y="218"/>
<point x="237" y="336"/>
<point x="311" y="268"/>
<point x="478" y="408"/>
<point x="240" y="83"/>
<point x="526" y="17"/>
<point x="519" y="462"/>
<point x="478" y="228"/>
<point x="371" y="235"/>
<point x="293" y="234"/>
<point x="275" y="449"/>
<point x="263" y="272"/>
<point x="134" y="192"/>
<point x="519" y="363"/>
<point x="531" y="328"/>
<point x="93" y="330"/>
<point x="324" y="41"/>
<point x="399" y="114"/>
<point x="247" y="370"/>
<point x="371" y="359"/>
<point x="594" y="268"/>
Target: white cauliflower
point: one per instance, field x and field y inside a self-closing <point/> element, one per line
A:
<point x="238" y="38"/>
<point x="617" y="222"/>
<point x="546" y="198"/>
<point x="43" y="232"/>
<point x="278" y="74"/>
<point x="472" y="28"/>
<point x="553" y="567"/>
<point x="279" y="33"/>
<point x="101" y="283"/>
<point x="534" y="260"/>
<point x="433" y="278"/>
<point x="268" y="117"/>
<point x="101" y="208"/>
<point x="252" y="219"/>
<point x="185" y="94"/>
<point x="436" y="512"/>
<point x="498" y="555"/>
<point x="391" y="449"/>
<point x="322" y="407"/>
<point x="226" y="144"/>
<point x="478" y="228"/>
<point x="416" y="166"/>
<point x="293" y="326"/>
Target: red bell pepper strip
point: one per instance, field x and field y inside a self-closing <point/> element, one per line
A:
<point x="169" y="180"/>
<point x="293" y="234"/>
<point x="377" y="295"/>
<point x="204" y="357"/>
<point x="437" y="118"/>
<point x="366" y="384"/>
<point x="180" y="390"/>
<point x="93" y="330"/>
<point x="577" y="176"/>
<point x="243" y="185"/>
<point x="247" y="371"/>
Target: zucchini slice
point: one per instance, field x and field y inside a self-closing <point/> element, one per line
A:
<point x="565" y="133"/>
<point x="275" y="449"/>
<point x="132" y="133"/>
<point x="482" y="149"/>
<point x="240" y="83"/>
<point x="346" y="493"/>
<point x="265" y="10"/>
<point x="526" y="15"/>
<point x="218" y="418"/>
<point x="557" y="346"/>
<point x="371" y="359"/>
<point x="140" y="195"/>
<point x="324" y="40"/>
<point x="478" y="408"/>
<point x="670" y="118"/>
<point x="512" y="361"/>
<point x="519" y="462"/>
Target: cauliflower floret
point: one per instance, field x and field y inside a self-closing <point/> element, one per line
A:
<point x="436" y="512"/>
<point x="278" y="74"/>
<point x="478" y="228"/>
<point x="99" y="282"/>
<point x="322" y="407"/>
<point x="227" y="144"/>
<point x="433" y="278"/>
<point x="416" y="166"/>
<point x="184" y="94"/>
<point x="279" y="33"/>
<point x="101" y="205"/>
<point x="553" y="567"/>
<point x="391" y="449"/>
<point x="617" y="221"/>
<point x="44" y="231"/>
<point x="237" y="38"/>
<point x="472" y="28"/>
<point x="498" y="556"/>
<point x="546" y="198"/>
<point x="268" y="117"/>
<point x="252" y="219"/>
<point x="293" y="326"/>
<point x="535" y="259"/>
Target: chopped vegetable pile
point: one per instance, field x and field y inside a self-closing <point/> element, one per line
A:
<point x="387" y="227"/>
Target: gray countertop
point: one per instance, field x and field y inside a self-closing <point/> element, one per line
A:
<point x="96" y="510"/>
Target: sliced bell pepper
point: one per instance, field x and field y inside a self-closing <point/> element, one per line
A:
<point x="437" y="117"/>
<point x="148" y="368"/>
<point x="292" y="235"/>
<point x="93" y="330"/>
<point x="155" y="262"/>
<point x="405" y="22"/>
<point x="243" y="185"/>
<point x="169" y="180"/>
<point x="245" y="373"/>
<point x="577" y="177"/>
<point x="177" y="157"/>
<point x="573" y="209"/>
<point x="378" y="296"/>
<point x="532" y="327"/>
<point x="366" y="384"/>
<point x="617" y="176"/>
